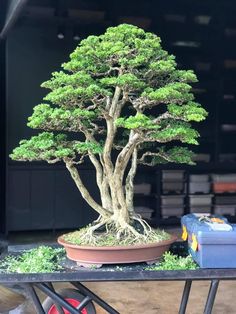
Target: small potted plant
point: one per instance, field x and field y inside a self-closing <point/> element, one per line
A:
<point x="124" y="94"/>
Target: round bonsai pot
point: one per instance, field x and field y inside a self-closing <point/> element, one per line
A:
<point x="92" y="255"/>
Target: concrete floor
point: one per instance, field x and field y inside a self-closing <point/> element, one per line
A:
<point x="142" y="297"/>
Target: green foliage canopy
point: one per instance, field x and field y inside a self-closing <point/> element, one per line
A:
<point x="125" y="59"/>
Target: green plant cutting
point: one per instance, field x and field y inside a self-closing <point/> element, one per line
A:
<point x="119" y="102"/>
<point x="43" y="259"/>
<point x="174" y="262"/>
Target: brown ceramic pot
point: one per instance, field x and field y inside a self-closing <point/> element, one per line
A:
<point x="87" y="255"/>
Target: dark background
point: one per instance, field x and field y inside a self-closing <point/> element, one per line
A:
<point x="202" y="35"/>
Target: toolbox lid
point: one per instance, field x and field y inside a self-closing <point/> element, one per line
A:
<point x="205" y="234"/>
<point x="216" y="237"/>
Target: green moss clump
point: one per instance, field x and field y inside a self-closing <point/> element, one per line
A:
<point x="43" y="259"/>
<point x="174" y="262"/>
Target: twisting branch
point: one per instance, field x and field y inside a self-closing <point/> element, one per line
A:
<point x="111" y="132"/>
<point x="164" y="116"/>
<point x="53" y="161"/>
<point x="101" y="74"/>
<point x="91" y="107"/>
<point x="150" y="154"/>
<point x="129" y="186"/>
<point x="83" y="190"/>
<point x="99" y="172"/>
<point x="100" y="175"/>
<point x="108" y="103"/>
<point x="102" y="183"/>
<point x="80" y="161"/>
<point x="125" y="154"/>
<point x="141" y="103"/>
<point x="90" y="137"/>
<point x="106" y="156"/>
<point x="115" y="100"/>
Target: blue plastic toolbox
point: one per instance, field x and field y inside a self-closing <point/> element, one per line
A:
<point x="211" y="240"/>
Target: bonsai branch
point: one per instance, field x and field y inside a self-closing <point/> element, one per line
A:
<point x="124" y="156"/>
<point x="129" y="186"/>
<point x="150" y="154"/>
<point x="83" y="190"/>
<point x="111" y="131"/>
<point x="53" y="161"/>
<point x="115" y="100"/>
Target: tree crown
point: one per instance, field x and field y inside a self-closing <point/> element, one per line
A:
<point x="122" y="79"/>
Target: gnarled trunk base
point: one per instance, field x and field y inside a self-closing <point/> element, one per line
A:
<point x="134" y="231"/>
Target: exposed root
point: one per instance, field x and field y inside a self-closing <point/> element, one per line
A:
<point x="147" y="231"/>
<point x="117" y="232"/>
<point x="89" y="234"/>
<point x="98" y="219"/>
<point x="146" y="228"/>
<point x="92" y="229"/>
<point x="127" y="231"/>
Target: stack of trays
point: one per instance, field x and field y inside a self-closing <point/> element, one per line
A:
<point x="202" y="157"/>
<point x="227" y="157"/>
<point x="200" y="203"/>
<point x="225" y="200"/>
<point x="199" y="184"/>
<point x="145" y="190"/>
<point x="225" y="210"/>
<point x="224" y="183"/>
<point x="172" y="205"/>
<point x="142" y="188"/>
<point x="173" y="181"/>
<point x="225" y="205"/>
<point x="144" y="212"/>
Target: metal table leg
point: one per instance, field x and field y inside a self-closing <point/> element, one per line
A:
<point x="58" y="307"/>
<point x="94" y="297"/>
<point x="211" y="296"/>
<point x="57" y="298"/>
<point x="33" y="295"/>
<point x="185" y="296"/>
<point x="85" y="301"/>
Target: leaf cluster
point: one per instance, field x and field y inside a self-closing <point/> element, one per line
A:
<point x="48" y="146"/>
<point x="176" y="130"/>
<point x="175" y="262"/>
<point x="43" y="259"/>
<point x="191" y="111"/>
<point x="139" y="121"/>
<point x="176" y="154"/>
<point x="47" y="117"/>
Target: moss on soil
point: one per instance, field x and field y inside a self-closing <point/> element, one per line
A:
<point x="110" y="239"/>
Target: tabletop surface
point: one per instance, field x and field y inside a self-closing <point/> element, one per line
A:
<point x="129" y="272"/>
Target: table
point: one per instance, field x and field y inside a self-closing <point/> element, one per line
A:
<point x="136" y="272"/>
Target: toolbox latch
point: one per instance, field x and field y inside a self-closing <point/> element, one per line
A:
<point x="194" y="244"/>
<point x="184" y="233"/>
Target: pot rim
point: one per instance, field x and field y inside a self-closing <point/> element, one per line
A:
<point x="63" y="242"/>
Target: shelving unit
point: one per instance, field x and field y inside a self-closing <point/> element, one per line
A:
<point x="192" y="202"/>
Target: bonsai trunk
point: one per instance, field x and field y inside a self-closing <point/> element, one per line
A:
<point x="116" y="211"/>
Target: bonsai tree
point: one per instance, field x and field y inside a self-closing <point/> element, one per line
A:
<point x="126" y="103"/>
